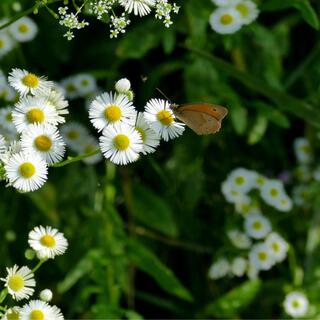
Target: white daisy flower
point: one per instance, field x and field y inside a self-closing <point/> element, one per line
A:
<point x="219" y="269"/>
<point x="6" y="43"/>
<point x="225" y="20"/>
<point x="239" y="239"/>
<point x="303" y="150"/>
<point x="45" y="141"/>
<point x="23" y="30"/>
<point x="25" y="82"/>
<point x="26" y="172"/>
<point x="19" y="282"/>
<point x="224" y="3"/>
<point x="252" y="271"/>
<point x="296" y="304"/>
<point x="47" y="242"/>
<point x="13" y="148"/>
<point x="123" y="85"/>
<point x="248" y="11"/>
<point x="239" y="266"/>
<point x="74" y="134"/>
<point x="261" y="257"/>
<point x="12" y="314"/>
<point x="46" y="295"/>
<point x="85" y="83"/>
<point x="111" y="108"/>
<point x="33" y="110"/>
<point x="6" y="119"/>
<point x="149" y="137"/>
<point x="230" y="193"/>
<point x="259" y="180"/>
<point x="70" y="87"/>
<point x="89" y="145"/>
<point x="8" y="94"/>
<point x="243" y="205"/>
<point x="40" y="310"/>
<point x="242" y="179"/>
<point x="271" y="191"/>
<point x="278" y="246"/>
<point x="3" y="145"/>
<point x="257" y="226"/>
<point x="284" y="203"/>
<point x="161" y="119"/>
<point x="139" y="7"/>
<point x="300" y="194"/>
<point x="121" y="144"/>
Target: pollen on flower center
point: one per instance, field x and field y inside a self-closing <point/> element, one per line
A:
<point x="262" y="256"/>
<point x="257" y="225"/>
<point x="165" y="117"/>
<point x="73" y="134"/>
<point x="43" y="143"/>
<point x="30" y="80"/>
<point x="243" y="9"/>
<point x="2" y="43"/>
<point x="84" y="82"/>
<point x="89" y="148"/>
<point x="226" y="19"/>
<point x="48" y="241"/>
<point x="112" y="113"/>
<point x="23" y="28"/>
<point x="35" y="116"/>
<point x="295" y="303"/>
<point x="13" y="315"/>
<point x="16" y="283"/>
<point x="70" y="88"/>
<point x="121" y="142"/>
<point x="275" y="247"/>
<point x="142" y="133"/>
<point x="274" y="192"/>
<point x="240" y="180"/>
<point x="27" y="170"/>
<point x="36" y="315"/>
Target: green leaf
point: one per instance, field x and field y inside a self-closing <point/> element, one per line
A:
<point x="239" y="116"/>
<point x="230" y="304"/>
<point x="153" y="211"/>
<point x="258" y="130"/>
<point x="148" y="262"/>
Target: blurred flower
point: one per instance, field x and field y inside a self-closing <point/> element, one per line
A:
<point x="303" y="173"/>
<point x="278" y="246"/>
<point x="74" y="134"/>
<point x="123" y="85"/>
<point x="219" y="269"/>
<point x="271" y="191"/>
<point x="225" y="2"/>
<point x="225" y="20"/>
<point x="239" y="239"/>
<point x="19" y="282"/>
<point x="284" y="203"/>
<point x="232" y="194"/>
<point x="46" y="295"/>
<point x="3" y="146"/>
<point x="69" y="85"/>
<point x="261" y="257"/>
<point x="8" y="94"/>
<point x="23" y="30"/>
<point x="257" y="226"/>
<point x="139" y="7"/>
<point x="252" y="271"/>
<point x="248" y="11"/>
<point x="6" y="119"/>
<point x="296" y="304"/>
<point x="85" y="84"/>
<point x="12" y="314"/>
<point x="89" y="145"/>
<point x="242" y="179"/>
<point x="6" y="43"/>
<point x="300" y="194"/>
<point x="238" y="266"/>
<point x="161" y="119"/>
<point x="302" y="149"/>
<point x="37" y="309"/>
<point x="48" y="242"/>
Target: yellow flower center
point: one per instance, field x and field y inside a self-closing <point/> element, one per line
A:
<point x="13" y="315"/>
<point x="23" y="28"/>
<point x="275" y="246"/>
<point x="43" y="143"/>
<point x="112" y="113"/>
<point x="262" y="256"/>
<point x="73" y="134"/>
<point x="240" y="180"/>
<point x="84" y="82"/>
<point x="165" y="117"/>
<point x="16" y="283"/>
<point x="35" y="116"/>
<point x="121" y="142"/>
<point x="234" y="193"/>
<point x="30" y="80"/>
<point x="226" y="19"/>
<point x="9" y="116"/>
<point x="89" y="148"/>
<point x="274" y="192"/>
<point x="257" y="225"/>
<point x="27" y="170"/>
<point x="243" y="9"/>
<point x="70" y="88"/>
<point x="48" y="241"/>
<point x="306" y="149"/>
<point x="36" y="315"/>
<point x="2" y="43"/>
<point x="142" y="133"/>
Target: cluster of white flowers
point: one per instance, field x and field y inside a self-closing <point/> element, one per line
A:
<point x="20" y="282"/>
<point x="22" y="30"/>
<point x="231" y="15"/>
<point x="127" y="133"/>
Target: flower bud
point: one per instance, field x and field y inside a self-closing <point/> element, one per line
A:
<point x="46" y="295"/>
<point x="123" y="85"/>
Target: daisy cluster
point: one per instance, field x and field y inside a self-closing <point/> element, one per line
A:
<point x="30" y="140"/>
<point x="19" y="283"/>
<point x="23" y="30"/>
<point x="127" y="133"/>
<point x="231" y="15"/>
<point x="105" y="10"/>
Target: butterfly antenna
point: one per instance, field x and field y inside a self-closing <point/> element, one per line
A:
<point x="164" y="95"/>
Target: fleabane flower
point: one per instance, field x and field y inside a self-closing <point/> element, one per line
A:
<point x="26" y="82"/>
<point x="296" y="304"/>
<point x="261" y="257"/>
<point x="8" y="94"/>
<point x="257" y="226"/>
<point x="70" y="88"/>
<point x="40" y="310"/>
<point x="138" y="7"/>
<point x="239" y="239"/>
<point x="284" y="203"/>
<point x="225" y="20"/>
<point x="238" y="266"/>
<point x="271" y="191"/>
<point x="6" y="43"/>
<point x="161" y="119"/>
<point x="150" y="138"/>
<point x="85" y="83"/>
<point x="12" y="314"/>
<point x="231" y="193"/>
<point x="248" y="11"/>
<point x="242" y="179"/>
<point x="90" y="145"/>
<point x="33" y="110"/>
<point x="47" y="242"/>
<point x="110" y="109"/>
<point x="121" y="144"/>
<point x="219" y="269"/>
<point x="19" y="282"/>
<point x="6" y="120"/>
<point x="26" y="172"/>
<point x="302" y="150"/>
<point x="23" y="30"/>
<point x="74" y="134"/>
<point x="278" y="246"/>
<point x="45" y="141"/>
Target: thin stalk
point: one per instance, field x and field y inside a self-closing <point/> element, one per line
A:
<point x="40" y="263"/>
<point x="75" y="159"/>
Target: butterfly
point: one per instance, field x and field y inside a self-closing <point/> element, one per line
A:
<point x="202" y="118"/>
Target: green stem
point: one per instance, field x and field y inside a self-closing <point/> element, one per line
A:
<point x="40" y="263"/>
<point x="75" y="159"/>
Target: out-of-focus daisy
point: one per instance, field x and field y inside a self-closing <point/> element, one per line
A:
<point x="23" y="30"/>
<point x="13" y="148"/>
<point x="19" y="282"/>
<point x="121" y="144"/>
<point x="225" y="20"/>
<point x="139" y="7"/>
<point x="284" y="203"/>
<point x="12" y="314"/>
<point x="300" y="194"/>
<point x="6" y="43"/>
<point x="161" y="119"/>
<point x="224" y="3"/>
<point x="40" y="310"/>
<point x="248" y="11"/>
<point x="111" y="109"/>
<point x="296" y="304"/>
<point x="123" y="85"/>
<point x="219" y="269"/>
<point x="242" y="179"/>
<point x="33" y="110"/>
<point x="150" y="138"/>
<point x="26" y="82"/>
<point x="44" y="140"/>
<point x="90" y="145"/>
<point x="47" y="242"/>
<point x="230" y="193"/>
<point x="261" y="257"/>
<point x="257" y="226"/>
<point x="239" y="239"/>
<point x="26" y="172"/>
<point x="46" y="295"/>
<point x="238" y="266"/>
<point x="85" y="83"/>
<point x="277" y="245"/>
<point x="70" y="87"/>
<point x="303" y="173"/>
<point x="252" y="271"/>
<point x="74" y="134"/>
<point x="302" y="149"/>
<point x="6" y="119"/>
<point x="271" y="191"/>
<point x="8" y="94"/>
